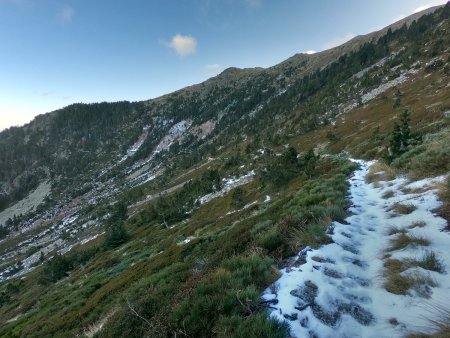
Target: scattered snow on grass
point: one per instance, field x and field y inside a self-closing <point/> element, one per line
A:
<point x="228" y="184"/>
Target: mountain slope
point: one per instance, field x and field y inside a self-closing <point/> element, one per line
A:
<point x="171" y="216"/>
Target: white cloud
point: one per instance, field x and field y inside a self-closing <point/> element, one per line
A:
<point x="339" y="41"/>
<point x="66" y="14"/>
<point x="310" y="52"/>
<point x="182" y="44"/>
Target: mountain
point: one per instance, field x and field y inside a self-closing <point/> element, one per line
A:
<point x="171" y="216"/>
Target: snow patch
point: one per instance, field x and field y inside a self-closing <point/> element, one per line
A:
<point x="337" y="290"/>
<point x="228" y="184"/>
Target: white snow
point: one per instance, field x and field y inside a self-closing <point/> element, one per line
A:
<point x="228" y="184"/>
<point x="387" y="85"/>
<point x="135" y="147"/>
<point x="344" y="287"/>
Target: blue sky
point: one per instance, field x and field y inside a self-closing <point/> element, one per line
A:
<point x="54" y="53"/>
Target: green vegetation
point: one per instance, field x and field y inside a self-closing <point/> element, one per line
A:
<point x="155" y="286"/>
<point x="115" y="231"/>
<point x="401" y="137"/>
<point x="176" y="267"/>
<point x="55" y="269"/>
<point x="429" y="261"/>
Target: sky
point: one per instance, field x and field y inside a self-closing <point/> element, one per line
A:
<point x="55" y="53"/>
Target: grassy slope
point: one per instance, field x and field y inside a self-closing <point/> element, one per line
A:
<point x="156" y="286"/>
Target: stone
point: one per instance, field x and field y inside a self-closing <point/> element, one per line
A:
<point x="291" y="317"/>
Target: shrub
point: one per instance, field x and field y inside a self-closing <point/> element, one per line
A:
<point x="236" y="198"/>
<point x="259" y="227"/>
<point x="232" y="290"/>
<point x="257" y="325"/>
<point x="55" y="269"/>
<point x="271" y="240"/>
<point x="336" y="213"/>
<point x="430" y="158"/>
<point x="312" y="235"/>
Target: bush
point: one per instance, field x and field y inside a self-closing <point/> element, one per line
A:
<point x="55" y="269"/>
<point x="259" y="227"/>
<point x="430" y="158"/>
<point x="271" y="240"/>
<point x="115" y="233"/>
<point x="257" y="325"/>
<point x="232" y="290"/>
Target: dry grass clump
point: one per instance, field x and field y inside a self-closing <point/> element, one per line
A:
<point x="400" y="284"/>
<point x="439" y="319"/>
<point x="417" y="224"/>
<point x="394" y="231"/>
<point x="380" y="172"/>
<point x="403" y="209"/>
<point x="388" y="194"/>
<point x="395" y="282"/>
<point x="404" y="240"/>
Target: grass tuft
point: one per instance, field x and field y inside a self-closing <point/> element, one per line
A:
<point x="388" y="194"/>
<point x="403" y="209"/>
<point x="380" y="171"/>
<point x="439" y="321"/>
<point x="417" y="224"/>
<point x="429" y="261"/>
<point x="401" y="283"/>
<point x="404" y="240"/>
<point x="394" y="231"/>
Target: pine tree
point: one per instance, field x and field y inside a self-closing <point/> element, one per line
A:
<point x="405" y="129"/>
<point x="401" y="136"/>
<point x="309" y="162"/>
<point x="236" y="198"/>
<point x="115" y="234"/>
<point x="115" y="231"/>
<point x="395" y="143"/>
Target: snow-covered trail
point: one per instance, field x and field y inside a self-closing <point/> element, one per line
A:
<point x="337" y="290"/>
